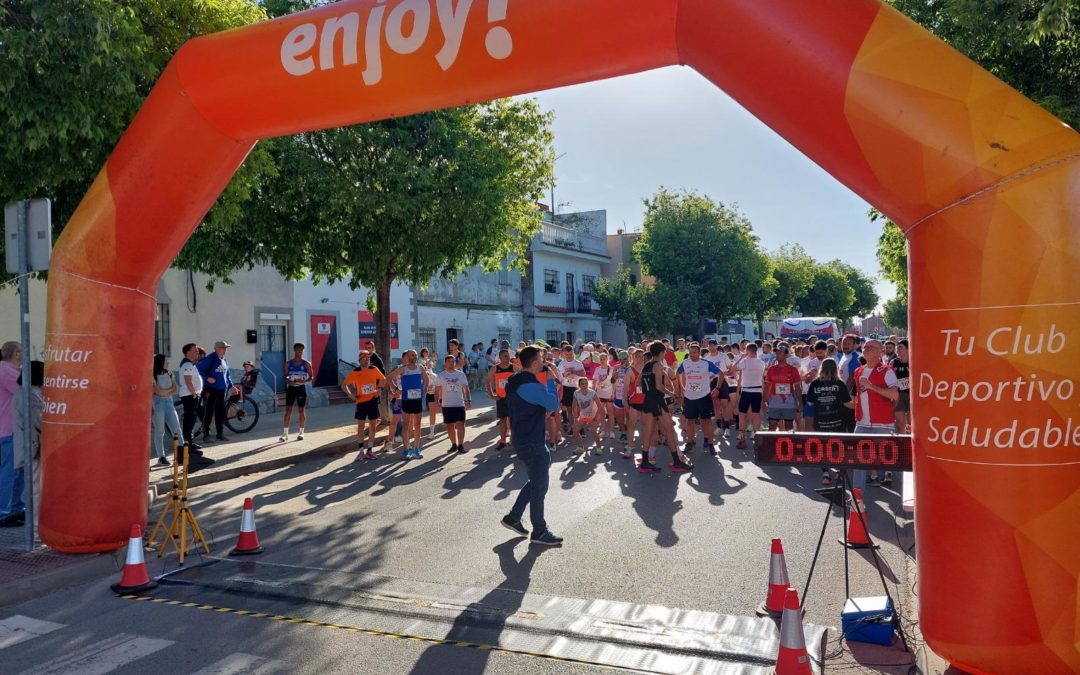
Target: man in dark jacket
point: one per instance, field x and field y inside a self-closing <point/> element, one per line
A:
<point x="530" y="404"/>
<point x="218" y="385"/>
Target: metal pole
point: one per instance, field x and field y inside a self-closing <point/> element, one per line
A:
<point x="24" y="314"/>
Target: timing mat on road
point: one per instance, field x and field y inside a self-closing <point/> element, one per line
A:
<point x="648" y="638"/>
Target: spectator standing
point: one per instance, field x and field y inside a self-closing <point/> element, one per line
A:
<point x="37" y="406"/>
<point x="530" y="404"/>
<point x="164" y="411"/>
<point x="298" y="373"/>
<point x="219" y="384"/>
<point x="190" y="387"/>
<point x="11" y="479"/>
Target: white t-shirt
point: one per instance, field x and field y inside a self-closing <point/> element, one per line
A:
<point x="721" y="361"/>
<point x="453" y="384"/>
<point x="187" y="370"/>
<point x="586" y="401"/>
<point x="602" y="377"/>
<point x="570" y="371"/>
<point x="753" y="372"/>
<point x="698" y="374"/>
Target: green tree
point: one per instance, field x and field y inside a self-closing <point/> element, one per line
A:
<point x="896" y="313"/>
<point x="73" y="73"/>
<point x="652" y="310"/>
<point x="693" y="244"/>
<point x="829" y="294"/>
<point x="892" y="253"/>
<point x="791" y="271"/>
<point x="864" y="295"/>
<point x="401" y="200"/>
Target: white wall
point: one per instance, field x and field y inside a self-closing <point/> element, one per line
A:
<point x="477" y="325"/>
<point x="543" y="324"/>
<point x="545" y="260"/>
<point x="346" y="303"/>
<point x="9" y="316"/>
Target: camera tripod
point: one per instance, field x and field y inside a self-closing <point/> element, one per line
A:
<point x="177" y="517"/>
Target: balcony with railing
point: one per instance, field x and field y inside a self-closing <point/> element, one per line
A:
<point x="580" y="303"/>
<point x="569" y="238"/>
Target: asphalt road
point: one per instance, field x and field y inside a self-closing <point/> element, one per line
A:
<point x="698" y="541"/>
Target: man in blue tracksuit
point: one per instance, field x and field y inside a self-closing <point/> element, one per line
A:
<point x="530" y="404"/>
<point x="218" y="385"/>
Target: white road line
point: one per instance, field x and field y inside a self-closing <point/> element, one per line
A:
<point x="977" y="309"/>
<point x="101" y="657"/>
<point x="19" y="628"/>
<point x="242" y="664"/>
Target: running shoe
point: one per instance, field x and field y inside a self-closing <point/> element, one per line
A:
<point x="501" y="446"/>
<point x="688" y="447"/>
<point x="622" y="438"/>
<point x="398" y="439"/>
<point x="283" y="438"/>
<point x="369" y="455"/>
<point x="578" y="450"/>
<point x="416" y="454"/>
<point x="546" y="539"/>
<point x="711" y="449"/>
<point x="681" y="467"/>
<point x="514" y="526"/>
<point x="461" y="449"/>
<point x="598" y="450"/>
<point x="299" y="437"/>
<point x="826" y="479"/>
<point x="627" y="453"/>
<point x="406" y="453"/>
<point x="648" y="467"/>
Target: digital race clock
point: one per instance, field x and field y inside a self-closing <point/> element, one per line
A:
<point x="839" y="451"/>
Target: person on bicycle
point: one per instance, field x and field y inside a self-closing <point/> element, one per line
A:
<point x="298" y="373"/>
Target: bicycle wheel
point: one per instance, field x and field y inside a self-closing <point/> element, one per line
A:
<point x="242" y="416"/>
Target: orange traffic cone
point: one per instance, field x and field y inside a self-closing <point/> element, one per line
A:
<point x="248" y="541"/>
<point x="134" y="578"/>
<point x="778" y="582"/>
<point x="856" y="534"/>
<point x="792" y="658"/>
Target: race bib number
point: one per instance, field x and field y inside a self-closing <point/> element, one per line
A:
<point x="638" y="389"/>
<point x="500" y="385"/>
<point x="903" y="383"/>
<point x="413" y="394"/>
<point x="367" y="389"/>
<point x="783" y="389"/>
<point x="695" y="387"/>
<point x="452" y="386"/>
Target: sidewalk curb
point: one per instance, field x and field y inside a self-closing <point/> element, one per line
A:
<point x="160" y="488"/>
<point x="91" y="568"/>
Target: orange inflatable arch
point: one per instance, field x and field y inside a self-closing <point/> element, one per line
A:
<point x="984" y="182"/>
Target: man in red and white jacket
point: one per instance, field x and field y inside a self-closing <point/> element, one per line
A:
<point x="876" y="392"/>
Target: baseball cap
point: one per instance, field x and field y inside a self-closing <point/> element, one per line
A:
<point x="782" y="347"/>
<point x="505" y="344"/>
<point x="248" y="363"/>
<point x="712" y="341"/>
<point x="221" y="343"/>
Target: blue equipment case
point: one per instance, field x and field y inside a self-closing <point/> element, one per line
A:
<point x="868" y="620"/>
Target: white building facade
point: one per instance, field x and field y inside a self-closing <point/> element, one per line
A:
<point x="565" y="261"/>
<point x="475" y="307"/>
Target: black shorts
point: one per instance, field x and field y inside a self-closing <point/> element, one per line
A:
<point x="296" y="396"/>
<point x="412" y="406"/>
<point x="368" y="410"/>
<point x="723" y="391"/>
<point x="430" y="398"/>
<point x="698" y="408"/>
<point x="452" y="415"/>
<point x="903" y="403"/>
<point x="750" y="401"/>
<point x="568" y="396"/>
<point x="502" y="408"/>
<point x="640" y="407"/>
<point x="655" y="407"/>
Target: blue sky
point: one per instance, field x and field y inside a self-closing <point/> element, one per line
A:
<point x="621" y="139"/>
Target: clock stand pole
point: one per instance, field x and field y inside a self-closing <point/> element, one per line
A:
<point x="839" y="495"/>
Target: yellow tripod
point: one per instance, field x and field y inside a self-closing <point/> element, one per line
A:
<point x="176" y="517"/>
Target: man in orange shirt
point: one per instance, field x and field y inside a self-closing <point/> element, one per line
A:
<point x="366" y="381"/>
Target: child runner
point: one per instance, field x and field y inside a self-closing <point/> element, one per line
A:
<point x="584" y="412"/>
<point x="428" y="360"/>
<point x="452" y="390"/>
<point x="605" y="392"/>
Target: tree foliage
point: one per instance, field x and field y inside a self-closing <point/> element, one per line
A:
<point x="896" y="313"/>
<point x="829" y="294"/>
<point x="864" y="295"/>
<point x="405" y="199"/>
<point x="653" y="310"/>
<point x="73" y="73"/>
<point x="791" y="271"/>
<point x="701" y="247"/>
<point x="892" y="253"/>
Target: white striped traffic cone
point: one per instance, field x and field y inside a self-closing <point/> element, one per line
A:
<point x="135" y="577"/>
<point x="778" y="582"/>
<point x="248" y="541"/>
<point x="792" y="658"/>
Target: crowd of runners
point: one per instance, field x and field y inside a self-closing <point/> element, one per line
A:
<point x="654" y="395"/>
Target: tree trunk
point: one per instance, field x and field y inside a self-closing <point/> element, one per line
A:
<point x="760" y="317"/>
<point x="382" y="320"/>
